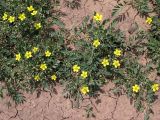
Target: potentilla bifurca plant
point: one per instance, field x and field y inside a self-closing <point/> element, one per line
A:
<point x="29" y="47"/>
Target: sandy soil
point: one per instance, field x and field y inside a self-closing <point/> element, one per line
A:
<point x="50" y="106"/>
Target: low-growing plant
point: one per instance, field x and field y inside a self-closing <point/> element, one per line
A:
<point x="154" y="42"/>
<point x="97" y="58"/>
<point x="146" y="42"/>
<point x="26" y="41"/>
<point x="143" y="8"/>
<point x="138" y="87"/>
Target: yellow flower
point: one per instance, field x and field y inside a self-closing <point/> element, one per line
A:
<point x="96" y="43"/>
<point x="37" y="26"/>
<point x="116" y="63"/>
<point x="97" y="17"/>
<point x="155" y="87"/>
<point x="84" y="74"/>
<point x="84" y="90"/>
<point x="149" y="20"/>
<point x="117" y="52"/>
<point x="135" y="88"/>
<point x="30" y="8"/>
<point x="5" y="16"/>
<point x="11" y="19"/>
<point x="35" y="49"/>
<point x="36" y="77"/>
<point x="76" y="68"/>
<point x="18" y="57"/>
<point x="47" y="53"/>
<point x="105" y="62"/>
<point x="22" y="16"/>
<point x="43" y="66"/>
<point x="34" y="12"/>
<point x="28" y="54"/>
<point x="54" y="77"/>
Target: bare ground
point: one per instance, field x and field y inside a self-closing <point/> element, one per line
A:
<point x="55" y="107"/>
<point x="51" y="106"/>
